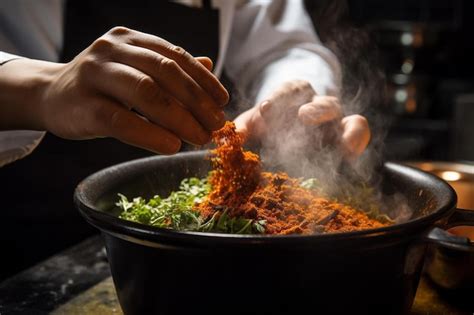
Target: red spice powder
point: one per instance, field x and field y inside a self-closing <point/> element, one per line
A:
<point x="240" y="185"/>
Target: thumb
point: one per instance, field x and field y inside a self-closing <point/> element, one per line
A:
<point x="251" y="125"/>
<point x="242" y="124"/>
<point x="356" y="135"/>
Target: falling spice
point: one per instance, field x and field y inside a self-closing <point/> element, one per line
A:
<point x="241" y="189"/>
<point x="236" y="173"/>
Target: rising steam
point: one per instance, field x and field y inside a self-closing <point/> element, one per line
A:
<point x="315" y="152"/>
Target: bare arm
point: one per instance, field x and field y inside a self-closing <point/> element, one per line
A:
<point x="174" y="96"/>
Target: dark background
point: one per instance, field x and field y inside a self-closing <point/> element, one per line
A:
<point x="415" y="55"/>
<point x="424" y="50"/>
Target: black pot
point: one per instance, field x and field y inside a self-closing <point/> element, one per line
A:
<point x="162" y="271"/>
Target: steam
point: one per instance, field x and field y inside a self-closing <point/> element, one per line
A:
<point x="316" y="152"/>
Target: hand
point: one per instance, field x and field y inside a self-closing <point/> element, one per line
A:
<point x="173" y="96"/>
<point x="295" y="104"/>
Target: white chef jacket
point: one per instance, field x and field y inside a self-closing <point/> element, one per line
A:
<point x="262" y="44"/>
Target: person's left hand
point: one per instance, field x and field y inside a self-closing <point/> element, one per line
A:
<point x="297" y="102"/>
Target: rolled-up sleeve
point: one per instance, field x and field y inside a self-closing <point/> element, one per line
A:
<point x="273" y="42"/>
<point x="16" y="144"/>
<point x="32" y="29"/>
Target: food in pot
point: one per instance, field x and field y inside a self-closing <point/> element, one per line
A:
<point x="239" y="197"/>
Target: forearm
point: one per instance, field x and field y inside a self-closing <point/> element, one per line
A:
<point x="291" y="51"/>
<point x="22" y="83"/>
<point x="314" y="64"/>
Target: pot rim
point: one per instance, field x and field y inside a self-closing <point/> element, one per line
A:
<point x="136" y="231"/>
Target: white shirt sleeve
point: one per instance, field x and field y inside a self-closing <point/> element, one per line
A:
<point x="273" y="42"/>
<point x="16" y="144"/>
<point x="32" y="29"/>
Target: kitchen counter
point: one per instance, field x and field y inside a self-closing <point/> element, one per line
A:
<point x="54" y="282"/>
<point x="77" y="281"/>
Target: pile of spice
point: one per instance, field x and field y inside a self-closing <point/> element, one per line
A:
<point x="241" y="189"/>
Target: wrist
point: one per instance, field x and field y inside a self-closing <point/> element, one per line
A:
<point x="23" y="83"/>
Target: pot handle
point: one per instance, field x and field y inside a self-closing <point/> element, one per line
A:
<point x="442" y="237"/>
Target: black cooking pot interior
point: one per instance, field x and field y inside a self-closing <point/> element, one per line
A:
<point x="161" y="271"/>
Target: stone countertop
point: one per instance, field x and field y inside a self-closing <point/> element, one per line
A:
<point x="44" y="287"/>
<point x="78" y="281"/>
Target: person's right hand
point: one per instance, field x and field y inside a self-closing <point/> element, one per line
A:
<point x="174" y="96"/>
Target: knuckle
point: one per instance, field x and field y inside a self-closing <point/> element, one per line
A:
<point x="182" y="54"/>
<point x="102" y="44"/>
<point x="89" y="66"/>
<point x="165" y="65"/>
<point x="180" y="51"/>
<point x="304" y="84"/>
<point x="119" y="31"/>
<point x="300" y="85"/>
<point x="145" y="89"/>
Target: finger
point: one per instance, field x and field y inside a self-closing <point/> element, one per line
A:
<point x="287" y="99"/>
<point x="250" y="124"/>
<point x="206" y="62"/>
<point x="138" y="91"/>
<point x="110" y="119"/>
<point x="322" y="109"/>
<point x="169" y="75"/>
<point x="196" y="70"/>
<point x="356" y="134"/>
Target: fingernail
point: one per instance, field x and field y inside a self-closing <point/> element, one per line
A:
<point x="219" y="117"/>
<point x="223" y="97"/>
<point x="175" y="146"/>
<point x="172" y="146"/>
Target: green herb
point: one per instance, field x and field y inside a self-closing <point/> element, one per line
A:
<point x="176" y="211"/>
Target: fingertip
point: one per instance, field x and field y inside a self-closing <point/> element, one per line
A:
<point x="220" y="119"/>
<point x="356" y="135"/>
<point x="206" y="62"/>
<point x="219" y="93"/>
<point x="217" y="122"/>
<point x="173" y="146"/>
<point x="166" y="144"/>
<point x="224" y="97"/>
<point x="241" y="130"/>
